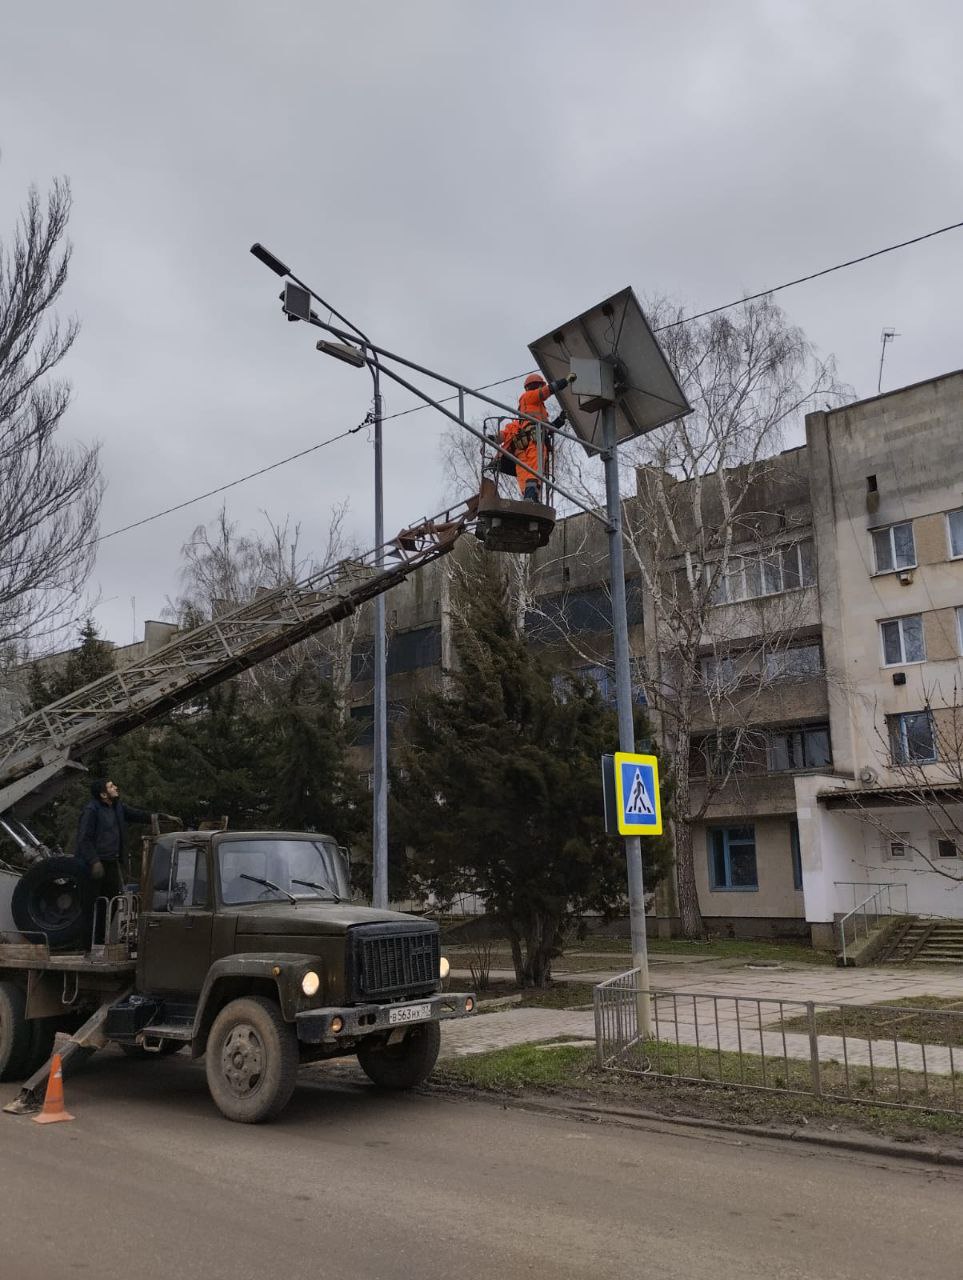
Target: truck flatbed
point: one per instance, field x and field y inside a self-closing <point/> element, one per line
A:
<point x="36" y="955"/>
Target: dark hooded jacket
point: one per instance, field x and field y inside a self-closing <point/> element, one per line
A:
<point x="102" y="830"/>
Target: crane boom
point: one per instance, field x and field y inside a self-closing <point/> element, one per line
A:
<point x="40" y="753"/>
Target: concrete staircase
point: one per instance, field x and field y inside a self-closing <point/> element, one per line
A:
<point x="921" y="941"/>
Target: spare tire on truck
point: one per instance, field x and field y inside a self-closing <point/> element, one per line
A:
<point x="56" y="898"/>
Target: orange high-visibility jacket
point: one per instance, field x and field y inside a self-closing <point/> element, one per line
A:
<point x="520" y="435"/>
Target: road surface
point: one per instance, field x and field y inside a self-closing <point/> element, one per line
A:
<point x="149" y="1181"/>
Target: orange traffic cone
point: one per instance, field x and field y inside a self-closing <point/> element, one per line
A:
<point x="53" y="1103"/>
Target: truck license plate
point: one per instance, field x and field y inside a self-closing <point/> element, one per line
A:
<point x="409" y="1013"/>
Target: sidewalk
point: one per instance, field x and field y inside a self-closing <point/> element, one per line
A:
<point x="701" y="1023"/>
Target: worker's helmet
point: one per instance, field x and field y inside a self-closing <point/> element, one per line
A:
<point x="534" y="380"/>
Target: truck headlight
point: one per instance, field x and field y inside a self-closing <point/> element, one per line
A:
<point x="310" y="983"/>
<point x="444" y="968"/>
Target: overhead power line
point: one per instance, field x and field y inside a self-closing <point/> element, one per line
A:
<point x="814" y="275"/>
<point x="420" y="408"/>
<point x="188" y="502"/>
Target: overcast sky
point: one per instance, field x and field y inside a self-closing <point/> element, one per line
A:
<point x="457" y="178"/>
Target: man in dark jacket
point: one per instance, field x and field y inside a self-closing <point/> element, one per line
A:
<point x="102" y="835"/>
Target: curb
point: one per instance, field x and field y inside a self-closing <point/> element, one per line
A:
<point x="880" y="1147"/>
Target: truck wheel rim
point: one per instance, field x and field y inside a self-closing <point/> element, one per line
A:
<point x="58" y="903"/>
<point x="242" y="1060"/>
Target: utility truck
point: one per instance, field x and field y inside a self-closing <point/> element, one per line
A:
<point x="240" y="946"/>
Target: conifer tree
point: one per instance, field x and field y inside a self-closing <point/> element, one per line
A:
<point x="498" y="789"/>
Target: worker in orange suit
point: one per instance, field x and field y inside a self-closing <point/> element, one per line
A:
<point x="521" y="436"/>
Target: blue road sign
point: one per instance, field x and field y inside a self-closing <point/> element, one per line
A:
<point x="638" y="807"/>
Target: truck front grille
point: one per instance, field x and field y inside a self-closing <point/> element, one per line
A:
<point x="385" y="961"/>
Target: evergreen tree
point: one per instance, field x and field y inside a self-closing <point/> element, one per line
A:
<point x="56" y="822"/>
<point x="498" y="787"/>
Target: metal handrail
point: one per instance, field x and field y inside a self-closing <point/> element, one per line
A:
<point x="870" y="884"/>
<point x="864" y="910"/>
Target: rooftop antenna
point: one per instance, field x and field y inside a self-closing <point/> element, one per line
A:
<point x="886" y="336"/>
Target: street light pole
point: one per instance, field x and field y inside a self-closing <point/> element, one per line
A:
<point x="623" y="699"/>
<point x="379" y="851"/>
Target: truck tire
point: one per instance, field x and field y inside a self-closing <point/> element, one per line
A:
<point x="402" y="1066"/>
<point x="42" y="1033"/>
<point x="251" y="1060"/>
<point x="55" y="898"/>
<point x="15" y="1031"/>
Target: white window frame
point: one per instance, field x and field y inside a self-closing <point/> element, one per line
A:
<point x="954" y="555"/>
<point x="898" y="722"/>
<point x="894" y="568"/>
<point x="938" y="839"/>
<point x="741" y="565"/>
<point x="902" y="660"/>
<point x="900" y="840"/>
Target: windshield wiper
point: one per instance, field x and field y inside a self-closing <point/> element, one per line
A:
<point x="268" y="884"/>
<point x="313" y="884"/>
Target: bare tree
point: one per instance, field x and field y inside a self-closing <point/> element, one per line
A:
<point x="924" y="764"/>
<point x="719" y="540"/>
<point x="715" y="539"/>
<point x="49" y="492"/>
<point x="224" y="567"/>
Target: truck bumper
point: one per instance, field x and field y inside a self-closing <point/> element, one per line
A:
<point x="321" y="1026"/>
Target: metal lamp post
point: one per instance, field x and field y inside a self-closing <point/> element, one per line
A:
<point x="297" y="304"/>
<point x="379" y="852"/>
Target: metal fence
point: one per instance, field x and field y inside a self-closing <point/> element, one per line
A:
<point x="883" y="1055"/>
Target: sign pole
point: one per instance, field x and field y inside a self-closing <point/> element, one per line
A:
<point x="623" y="698"/>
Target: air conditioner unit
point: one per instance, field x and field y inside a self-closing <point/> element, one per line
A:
<point x="868" y="775"/>
<point x="906" y="577"/>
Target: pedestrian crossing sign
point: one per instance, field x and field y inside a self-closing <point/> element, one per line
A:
<point x="638" y="806"/>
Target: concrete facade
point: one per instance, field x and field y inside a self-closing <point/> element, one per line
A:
<point x="892" y="460"/>
<point x="887" y="468"/>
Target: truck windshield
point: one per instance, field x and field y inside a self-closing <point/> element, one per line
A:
<point x="298" y="869"/>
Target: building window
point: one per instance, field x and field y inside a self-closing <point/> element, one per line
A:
<point x="732" y="859"/>
<point x="725" y="753"/>
<point x="806" y="747"/>
<point x="900" y="847"/>
<point x="792" y="664"/>
<point x="414" y="650"/>
<point x="766" y="573"/>
<point x="947" y="849"/>
<point x="724" y="672"/>
<point x="796" y="853"/>
<point x="903" y="640"/>
<point x="580" y="611"/>
<point x="954" y="520"/>
<point x="911" y="738"/>
<point x="729" y="670"/>
<point x="959" y="626"/>
<point x="894" y="547"/>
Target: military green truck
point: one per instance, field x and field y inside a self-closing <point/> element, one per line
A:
<point x="243" y="947"/>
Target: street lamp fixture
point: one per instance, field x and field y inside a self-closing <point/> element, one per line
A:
<point x="343" y="351"/>
<point x="270" y="261"/>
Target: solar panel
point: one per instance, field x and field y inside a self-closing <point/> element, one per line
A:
<point x="645" y="390"/>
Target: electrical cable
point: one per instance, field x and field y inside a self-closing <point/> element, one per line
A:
<point x="230" y="484"/>
<point x="813" y="275"/>
<point x="500" y="382"/>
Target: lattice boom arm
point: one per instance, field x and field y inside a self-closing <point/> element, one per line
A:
<point x="99" y="712"/>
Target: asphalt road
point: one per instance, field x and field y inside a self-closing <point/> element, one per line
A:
<point x="149" y="1181"/>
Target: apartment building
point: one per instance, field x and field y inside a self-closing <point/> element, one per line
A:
<point x="830" y="668"/>
<point x="887" y="493"/>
